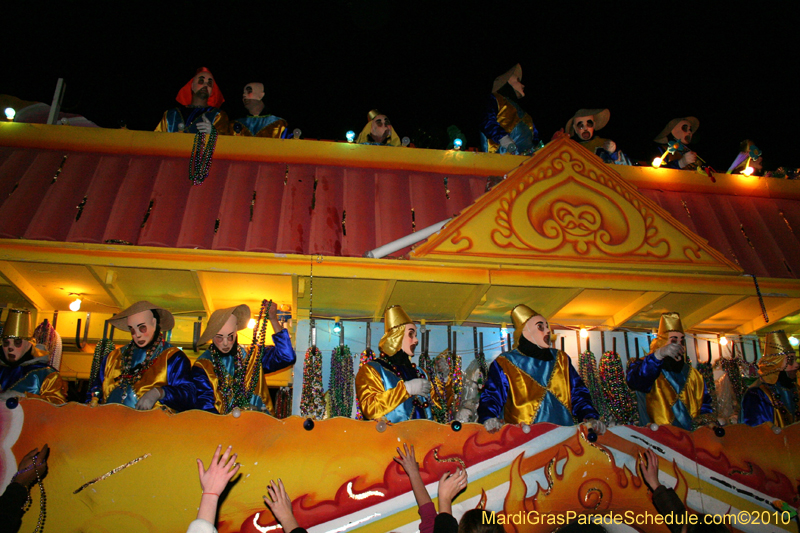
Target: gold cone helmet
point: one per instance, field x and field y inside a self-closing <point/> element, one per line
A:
<point x="18" y="324"/>
<point x="519" y="316"/>
<point x="669" y="322"/>
<point x="776" y="349"/>
<point x="394" y="321"/>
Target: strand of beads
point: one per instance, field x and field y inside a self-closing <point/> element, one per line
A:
<point x="202" y="152"/>
<point x="587" y="367"/>
<point x="341" y="382"/>
<point x="312" y="400"/>
<point x="733" y="369"/>
<point x="42" y="499"/>
<point x="707" y="371"/>
<point x="129" y="375"/>
<point x="618" y="396"/>
<point x="103" y="348"/>
<point x="366" y="356"/>
<point x="283" y="403"/>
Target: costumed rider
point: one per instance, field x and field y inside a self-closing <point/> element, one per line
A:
<point x="226" y="376"/>
<point x="582" y="127"/>
<point x="774" y="397"/>
<point x="148" y="371"/>
<point x="535" y="383"/>
<point x="669" y="389"/>
<point x="258" y="123"/>
<point x="506" y="127"/>
<point x="680" y="130"/>
<point x="24" y="369"/>
<point x="199" y="101"/>
<point x="378" y="131"/>
<point x="392" y="386"/>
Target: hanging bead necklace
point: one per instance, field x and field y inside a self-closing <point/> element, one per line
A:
<point x="42" y="498"/>
<point x="129" y="375"/>
<point x="232" y="388"/>
<point x="200" y="160"/>
<point x="418" y="401"/>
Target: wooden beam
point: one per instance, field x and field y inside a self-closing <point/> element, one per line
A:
<point x="201" y="284"/>
<point x="18" y="281"/>
<point x="552" y="307"/>
<point x="633" y="309"/>
<point x="717" y="305"/>
<point x="476" y="297"/>
<point x="775" y="314"/>
<point x="107" y="279"/>
<point x="388" y="289"/>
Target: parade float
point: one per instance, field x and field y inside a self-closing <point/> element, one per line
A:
<point x="335" y="233"/>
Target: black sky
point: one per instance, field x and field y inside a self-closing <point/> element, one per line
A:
<point x="427" y="64"/>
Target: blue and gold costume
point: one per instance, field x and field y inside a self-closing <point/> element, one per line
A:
<point x="503" y="117"/>
<point x="260" y="126"/>
<point x="210" y="397"/>
<point x="380" y="384"/>
<point x="667" y="396"/>
<point x="774" y="397"/>
<point x="33" y="377"/>
<point x="169" y="371"/>
<point x="538" y="386"/>
<point x="184" y="119"/>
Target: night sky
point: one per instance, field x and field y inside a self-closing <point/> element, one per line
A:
<point x="427" y="65"/>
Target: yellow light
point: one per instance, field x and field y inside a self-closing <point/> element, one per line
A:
<point x="748" y="171"/>
<point x="657" y="162"/>
<point x="252" y="323"/>
<point x="76" y="305"/>
<point x="584" y="333"/>
<point x="723" y="341"/>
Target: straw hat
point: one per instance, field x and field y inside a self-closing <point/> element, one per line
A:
<point x="219" y="317"/>
<point x="394" y="321"/>
<point x="165" y="319"/>
<point x="662" y="137"/>
<point x="774" y="358"/>
<point x="519" y="316"/>
<point x="600" y="117"/>
<point x="18" y="324"/>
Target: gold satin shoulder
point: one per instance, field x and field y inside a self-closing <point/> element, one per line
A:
<point x="374" y="400"/>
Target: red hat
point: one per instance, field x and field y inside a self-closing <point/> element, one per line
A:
<point x="185" y="94"/>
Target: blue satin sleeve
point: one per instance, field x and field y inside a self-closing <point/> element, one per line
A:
<point x="643" y="373"/>
<point x="97" y="385"/>
<point x="756" y="408"/>
<point x="494" y="395"/>
<point x="205" y="398"/>
<point x="582" y="408"/>
<point x="708" y="406"/>
<point x="489" y="125"/>
<point x="180" y="392"/>
<point x="279" y="356"/>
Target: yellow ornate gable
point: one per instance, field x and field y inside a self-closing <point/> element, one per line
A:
<point x="566" y="207"/>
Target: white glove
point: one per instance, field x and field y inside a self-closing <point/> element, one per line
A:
<point x="493" y="424"/>
<point x="149" y="399"/>
<point x="508" y="144"/>
<point x="610" y="146"/>
<point x="418" y="387"/>
<point x="687" y="159"/>
<point x="598" y="426"/>
<point x="670" y="350"/>
<point x="10" y="394"/>
<point x="463" y="415"/>
<point x="204" y="126"/>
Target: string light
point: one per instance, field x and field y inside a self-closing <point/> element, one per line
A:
<point x="351" y="136"/>
<point x="76" y="305"/>
<point x="11" y="113"/>
<point x="794" y="341"/>
<point x="251" y="323"/>
<point x="584" y="333"/>
<point x="748" y="171"/>
<point x="657" y="162"/>
<point x="723" y="341"/>
<point x="457" y="143"/>
<point x="337" y="326"/>
<point x="297" y="133"/>
<point x="504" y="329"/>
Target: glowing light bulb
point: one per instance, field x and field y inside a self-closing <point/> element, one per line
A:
<point x="251" y="323"/>
<point x="503" y="329"/>
<point x="657" y="162"/>
<point x="748" y="171"/>
<point x="794" y="341"/>
<point x="297" y="133"/>
<point x="457" y="143"/>
<point x="723" y="341"/>
<point x="584" y="333"/>
<point x="337" y="326"/>
<point x="11" y="113"/>
<point x="76" y="305"/>
<point x="405" y="141"/>
<point x="351" y="136"/>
